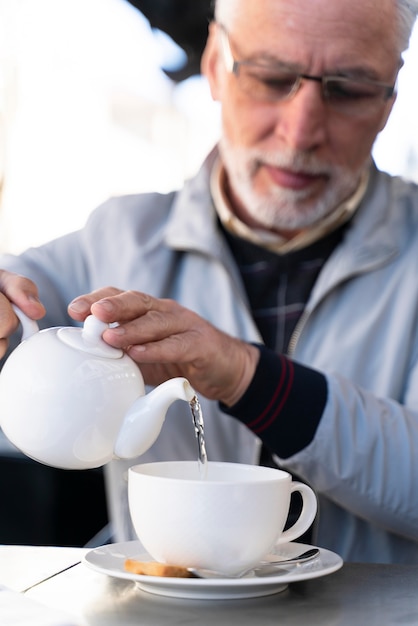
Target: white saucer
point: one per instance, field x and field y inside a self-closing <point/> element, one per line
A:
<point x="110" y="559"/>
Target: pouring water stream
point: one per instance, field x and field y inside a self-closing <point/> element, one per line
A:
<point x="198" y="424"/>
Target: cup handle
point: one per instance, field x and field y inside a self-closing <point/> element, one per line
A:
<point x="307" y="515"/>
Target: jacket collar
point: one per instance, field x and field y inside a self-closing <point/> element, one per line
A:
<point x="193" y="222"/>
<point x="372" y="238"/>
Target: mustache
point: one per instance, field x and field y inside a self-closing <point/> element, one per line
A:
<point x="289" y="160"/>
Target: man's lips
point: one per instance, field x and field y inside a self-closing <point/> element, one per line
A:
<point x="293" y="180"/>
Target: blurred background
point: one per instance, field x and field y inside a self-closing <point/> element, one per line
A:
<point x="86" y="110"/>
<point x="99" y="98"/>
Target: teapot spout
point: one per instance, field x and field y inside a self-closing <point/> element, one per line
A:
<point x="145" y="418"/>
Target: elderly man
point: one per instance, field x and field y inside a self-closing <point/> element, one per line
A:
<point x="281" y="281"/>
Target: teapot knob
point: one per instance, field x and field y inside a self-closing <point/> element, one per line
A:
<point x="89" y="338"/>
<point x="93" y="329"/>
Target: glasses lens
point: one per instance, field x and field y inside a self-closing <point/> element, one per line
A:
<point x="264" y="83"/>
<point x="353" y="97"/>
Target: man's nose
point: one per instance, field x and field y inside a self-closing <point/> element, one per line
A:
<point x="302" y="120"/>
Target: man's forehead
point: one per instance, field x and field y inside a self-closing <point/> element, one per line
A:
<point x="341" y="32"/>
<point x="279" y="14"/>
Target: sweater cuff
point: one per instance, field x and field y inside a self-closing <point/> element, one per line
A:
<point x="283" y="404"/>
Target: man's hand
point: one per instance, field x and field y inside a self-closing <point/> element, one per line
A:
<point x="18" y="290"/>
<point x="168" y="340"/>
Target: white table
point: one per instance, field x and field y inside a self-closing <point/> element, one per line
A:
<point x="364" y="594"/>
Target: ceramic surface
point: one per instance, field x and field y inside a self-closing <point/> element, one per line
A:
<point x="227" y="520"/>
<point x="72" y="401"/>
<point x="110" y="560"/>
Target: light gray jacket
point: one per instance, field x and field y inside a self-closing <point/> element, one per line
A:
<point x="360" y="328"/>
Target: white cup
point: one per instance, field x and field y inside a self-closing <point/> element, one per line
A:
<point x="227" y="521"/>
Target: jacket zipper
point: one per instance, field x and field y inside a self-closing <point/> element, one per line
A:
<point x="297" y="333"/>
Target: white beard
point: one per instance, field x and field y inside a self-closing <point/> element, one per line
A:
<point x="279" y="208"/>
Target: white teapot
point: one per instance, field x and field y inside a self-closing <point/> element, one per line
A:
<point x="69" y="400"/>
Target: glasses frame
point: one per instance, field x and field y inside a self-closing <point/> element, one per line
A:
<point x="233" y="66"/>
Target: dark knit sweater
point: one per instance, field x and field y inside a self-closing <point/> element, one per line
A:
<point x="284" y="403"/>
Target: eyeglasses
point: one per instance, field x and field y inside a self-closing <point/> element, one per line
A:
<point x="272" y="83"/>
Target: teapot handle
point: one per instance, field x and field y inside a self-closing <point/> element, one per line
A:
<point x="29" y="327"/>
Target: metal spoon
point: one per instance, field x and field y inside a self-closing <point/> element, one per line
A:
<point x="309" y="555"/>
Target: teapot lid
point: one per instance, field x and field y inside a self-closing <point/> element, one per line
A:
<point x="89" y="339"/>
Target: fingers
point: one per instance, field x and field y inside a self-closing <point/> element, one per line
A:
<point x="3" y="347"/>
<point x="162" y="327"/>
<point x="128" y="305"/>
<point x="168" y="340"/>
<point x="23" y="293"/>
<point x="81" y="306"/>
<point x="141" y="318"/>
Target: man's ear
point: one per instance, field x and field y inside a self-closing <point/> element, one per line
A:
<point x="387" y="111"/>
<point x="210" y="63"/>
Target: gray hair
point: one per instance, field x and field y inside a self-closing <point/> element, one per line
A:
<point x="226" y="10"/>
<point x="407" y="12"/>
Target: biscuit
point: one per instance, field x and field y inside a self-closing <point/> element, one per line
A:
<point x="153" y="568"/>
